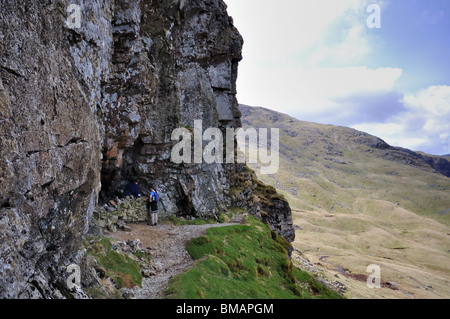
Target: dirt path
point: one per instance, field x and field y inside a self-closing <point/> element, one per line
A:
<point x="166" y="244"/>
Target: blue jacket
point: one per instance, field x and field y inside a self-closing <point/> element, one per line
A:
<point x="153" y="203"/>
<point x="132" y="189"/>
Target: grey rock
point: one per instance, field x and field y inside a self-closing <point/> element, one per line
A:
<point x="84" y="111"/>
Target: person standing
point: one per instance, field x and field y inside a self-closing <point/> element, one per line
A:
<point x="153" y="199"/>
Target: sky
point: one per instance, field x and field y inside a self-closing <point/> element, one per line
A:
<point x="326" y="61"/>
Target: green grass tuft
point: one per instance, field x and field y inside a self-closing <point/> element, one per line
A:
<point x="123" y="270"/>
<point x="184" y="222"/>
<point x="244" y="262"/>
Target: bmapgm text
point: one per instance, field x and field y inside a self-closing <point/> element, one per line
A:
<point x="227" y="309"/>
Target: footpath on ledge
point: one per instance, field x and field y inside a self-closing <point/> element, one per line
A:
<point x="167" y="245"/>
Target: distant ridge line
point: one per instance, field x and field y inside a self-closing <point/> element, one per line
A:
<point x="438" y="163"/>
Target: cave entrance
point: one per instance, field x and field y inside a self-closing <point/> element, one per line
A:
<point x="119" y="167"/>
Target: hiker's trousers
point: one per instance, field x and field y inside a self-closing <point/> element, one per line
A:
<point x="152" y="209"/>
<point x="154" y="217"/>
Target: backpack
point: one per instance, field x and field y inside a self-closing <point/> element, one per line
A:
<point x="155" y="196"/>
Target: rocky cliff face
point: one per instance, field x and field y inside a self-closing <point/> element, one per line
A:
<point x="50" y="137"/>
<point x="85" y="109"/>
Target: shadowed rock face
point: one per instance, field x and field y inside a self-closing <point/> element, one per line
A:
<point x="49" y="163"/>
<point x="170" y="66"/>
<point x="86" y="110"/>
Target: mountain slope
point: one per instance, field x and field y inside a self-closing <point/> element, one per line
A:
<point x="341" y="164"/>
<point x="362" y="201"/>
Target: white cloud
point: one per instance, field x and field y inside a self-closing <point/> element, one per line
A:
<point x="279" y="30"/>
<point x="352" y="49"/>
<point x="309" y="59"/>
<point x="424" y="124"/>
<point x="435" y="99"/>
<point x="340" y="82"/>
<point x="333" y="95"/>
<point x="285" y="44"/>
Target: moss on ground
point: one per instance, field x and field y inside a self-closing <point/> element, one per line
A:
<point x="244" y="262"/>
<point x="124" y="271"/>
<point x="183" y="222"/>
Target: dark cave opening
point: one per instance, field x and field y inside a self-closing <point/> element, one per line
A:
<point x="6" y="204"/>
<point x="119" y="168"/>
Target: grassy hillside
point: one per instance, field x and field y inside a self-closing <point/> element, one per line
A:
<point x="357" y="201"/>
<point x="244" y="262"/>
